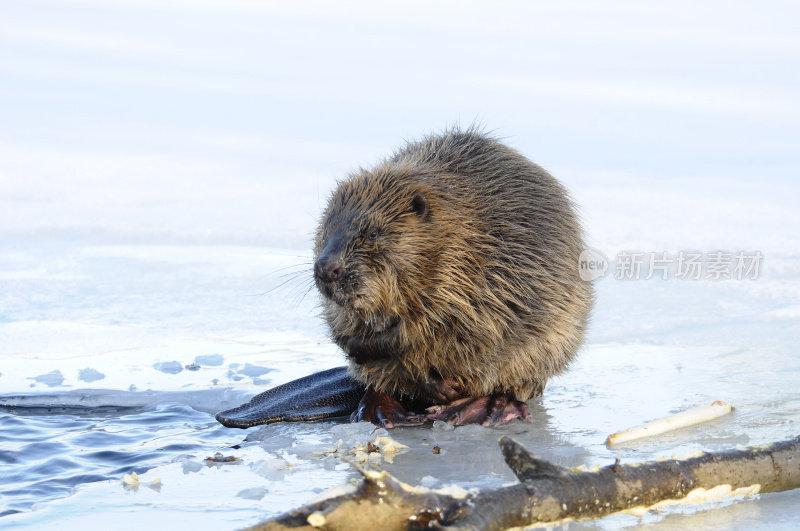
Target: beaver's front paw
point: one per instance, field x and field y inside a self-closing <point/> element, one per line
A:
<point x="362" y="350"/>
<point x="441" y="390"/>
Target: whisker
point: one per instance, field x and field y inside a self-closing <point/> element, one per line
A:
<point x="303" y="296"/>
<point x="301" y="264"/>
<point x="286" y="282"/>
<point x="302" y="273"/>
<point x="296" y="273"/>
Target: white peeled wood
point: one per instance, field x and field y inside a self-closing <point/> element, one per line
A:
<point x="683" y="419"/>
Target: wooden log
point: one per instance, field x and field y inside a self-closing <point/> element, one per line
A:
<point x="549" y="493"/>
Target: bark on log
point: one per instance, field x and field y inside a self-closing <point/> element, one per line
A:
<point x="548" y="492"/>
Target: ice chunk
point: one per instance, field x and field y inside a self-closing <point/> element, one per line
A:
<point x="210" y="360"/>
<point x="273" y="468"/>
<point x="254" y="370"/>
<point x="440" y="425"/>
<point x="255" y="493"/>
<point x="168" y="367"/>
<point x="428" y="481"/>
<point x="355" y="434"/>
<point x="190" y="467"/>
<point x="51" y="379"/>
<point x="90" y="375"/>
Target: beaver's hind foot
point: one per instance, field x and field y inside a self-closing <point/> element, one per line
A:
<point x="385" y="411"/>
<point x="495" y="409"/>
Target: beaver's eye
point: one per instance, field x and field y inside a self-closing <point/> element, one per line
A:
<point x="373" y="234"/>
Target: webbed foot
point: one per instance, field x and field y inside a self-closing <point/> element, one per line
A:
<point x="385" y="411"/>
<point x="496" y="409"/>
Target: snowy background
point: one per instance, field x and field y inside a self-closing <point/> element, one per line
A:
<point x="163" y="164"/>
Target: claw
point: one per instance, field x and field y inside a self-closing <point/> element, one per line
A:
<point x="385" y="411"/>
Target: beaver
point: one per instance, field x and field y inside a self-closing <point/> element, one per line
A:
<point x="449" y="276"/>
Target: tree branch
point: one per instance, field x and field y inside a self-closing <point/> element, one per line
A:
<point x="548" y="492"/>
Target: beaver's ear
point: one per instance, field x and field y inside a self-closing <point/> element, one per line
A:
<point x="419" y="205"/>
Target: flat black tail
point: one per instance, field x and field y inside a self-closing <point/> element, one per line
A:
<point x="326" y="394"/>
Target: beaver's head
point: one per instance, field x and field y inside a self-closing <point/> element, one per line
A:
<point x="371" y="235"/>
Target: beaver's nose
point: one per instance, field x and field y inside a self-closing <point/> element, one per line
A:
<point x="328" y="268"/>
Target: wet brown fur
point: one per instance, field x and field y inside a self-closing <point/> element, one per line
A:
<point x="475" y="261"/>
